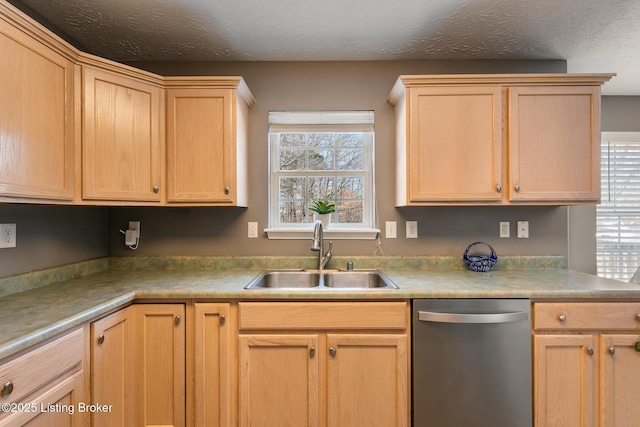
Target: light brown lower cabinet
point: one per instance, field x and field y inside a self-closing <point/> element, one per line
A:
<point x="46" y="386"/>
<point x="584" y="375"/>
<point x="138" y="366"/>
<point x="211" y="370"/>
<point x="323" y="363"/>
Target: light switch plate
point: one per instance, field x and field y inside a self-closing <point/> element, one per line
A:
<point x="505" y="229"/>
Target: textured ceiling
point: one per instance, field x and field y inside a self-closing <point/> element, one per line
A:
<point x="591" y="35"/>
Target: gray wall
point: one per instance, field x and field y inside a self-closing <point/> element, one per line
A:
<point x="49" y="236"/>
<point x="336" y="85"/>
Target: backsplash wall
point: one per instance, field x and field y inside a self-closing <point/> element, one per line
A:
<point x="49" y="236"/>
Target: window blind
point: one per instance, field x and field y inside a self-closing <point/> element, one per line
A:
<point x="618" y="215"/>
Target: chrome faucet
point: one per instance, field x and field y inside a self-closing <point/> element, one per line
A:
<point x="317" y="245"/>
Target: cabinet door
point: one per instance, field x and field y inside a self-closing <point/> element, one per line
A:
<point x="565" y="378"/>
<point x="367" y="380"/>
<point x="138" y="364"/>
<point x="112" y="369"/>
<point x="57" y="405"/>
<point x="37" y="121"/>
<point x="121" y="144"/>
<point x="201" y="151"/>
<point x="159" y="374"/>
<point x="620" y="381"/>
<point x="279" y="380"/>
<point x="212" y="364"/>
<point x="455" y="144"/>
<point x="554" y="143"/>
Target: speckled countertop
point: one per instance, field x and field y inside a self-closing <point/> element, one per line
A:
<point x="33" y="315"/>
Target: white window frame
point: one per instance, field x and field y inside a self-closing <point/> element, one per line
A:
<point x="625" y="258"/>
<point x="318" y="121"/>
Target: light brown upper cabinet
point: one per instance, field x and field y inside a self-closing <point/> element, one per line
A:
<point x="554" y="143"/>
<point x="497" y="139"/>
<point x="122" y="144"/>
<point x="207" y="124"/>
<point x="37" y="120"/>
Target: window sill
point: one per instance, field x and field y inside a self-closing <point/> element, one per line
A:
<point x="329" y="233"/>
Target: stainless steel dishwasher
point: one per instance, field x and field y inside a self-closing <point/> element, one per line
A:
<point x="472" y="363"/>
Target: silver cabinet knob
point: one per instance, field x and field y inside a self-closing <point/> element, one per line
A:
<point x="499" y="188"/>
<point x="517" y="188"/>
<point x="177" y="320"/>
<point x="562" y="317"/>
<point x="590" y="351"/>
<point x="227" y="190"/>
<point x="638" y="317"/>
<point x="100" y="339"/>
<point x="156" y="189"/>
<point x="312" y="351"/>
<point x="222" y="319"/>
<point x="7" y="389"/>
<point x="612" y="350"/>
<point x="332" y="351"/>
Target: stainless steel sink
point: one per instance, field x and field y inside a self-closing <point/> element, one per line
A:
<point x="283" y="279"/>
<point x="358" y="279"/>
<point x="325" y="280"/>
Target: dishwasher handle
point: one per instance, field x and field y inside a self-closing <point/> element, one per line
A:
<point x="446" y="317"/>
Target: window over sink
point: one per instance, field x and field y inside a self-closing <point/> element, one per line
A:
<point x="318" y="154"/>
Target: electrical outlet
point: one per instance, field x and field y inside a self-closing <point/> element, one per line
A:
<point x="7" y="235"/>
<point x="523" y="229"/>
<point x="390" y="227"/>
<point x="505" y="229"/>
<point x="252" y="230"/>
<point x="135" y="227"/>
<point x="412" y="229"/>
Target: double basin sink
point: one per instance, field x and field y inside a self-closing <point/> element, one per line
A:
<point x="321" y="280"/>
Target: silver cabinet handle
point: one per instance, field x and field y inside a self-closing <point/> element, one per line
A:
<point x="226" y="190"/>
<point x="7" y="389"/>
<point x="517" y="188"/>
<point x="312" y="351"/>
<point x="177" y="320"/>
<point x="562" y="317"/>
<point x="156" y="189"/>
<point x="222" y="319"/>
<point x="612" y="350"/>
<point x="332" y="351"/>
<point x="590" y="351"/>
<point x="100" y="339"/>
<point x="433" y="316"/>
<point x="499" y="188"/>
<point x="638" y="317"/>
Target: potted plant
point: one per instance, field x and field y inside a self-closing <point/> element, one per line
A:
<point x="323" y="208"/>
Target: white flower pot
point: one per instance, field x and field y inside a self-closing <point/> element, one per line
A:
<point x="325" y="219"/>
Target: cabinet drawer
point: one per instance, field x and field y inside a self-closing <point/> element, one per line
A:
<point x="32" y="370"/>
<point x="574" y="316"/>
<point x="322" y="315"/>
